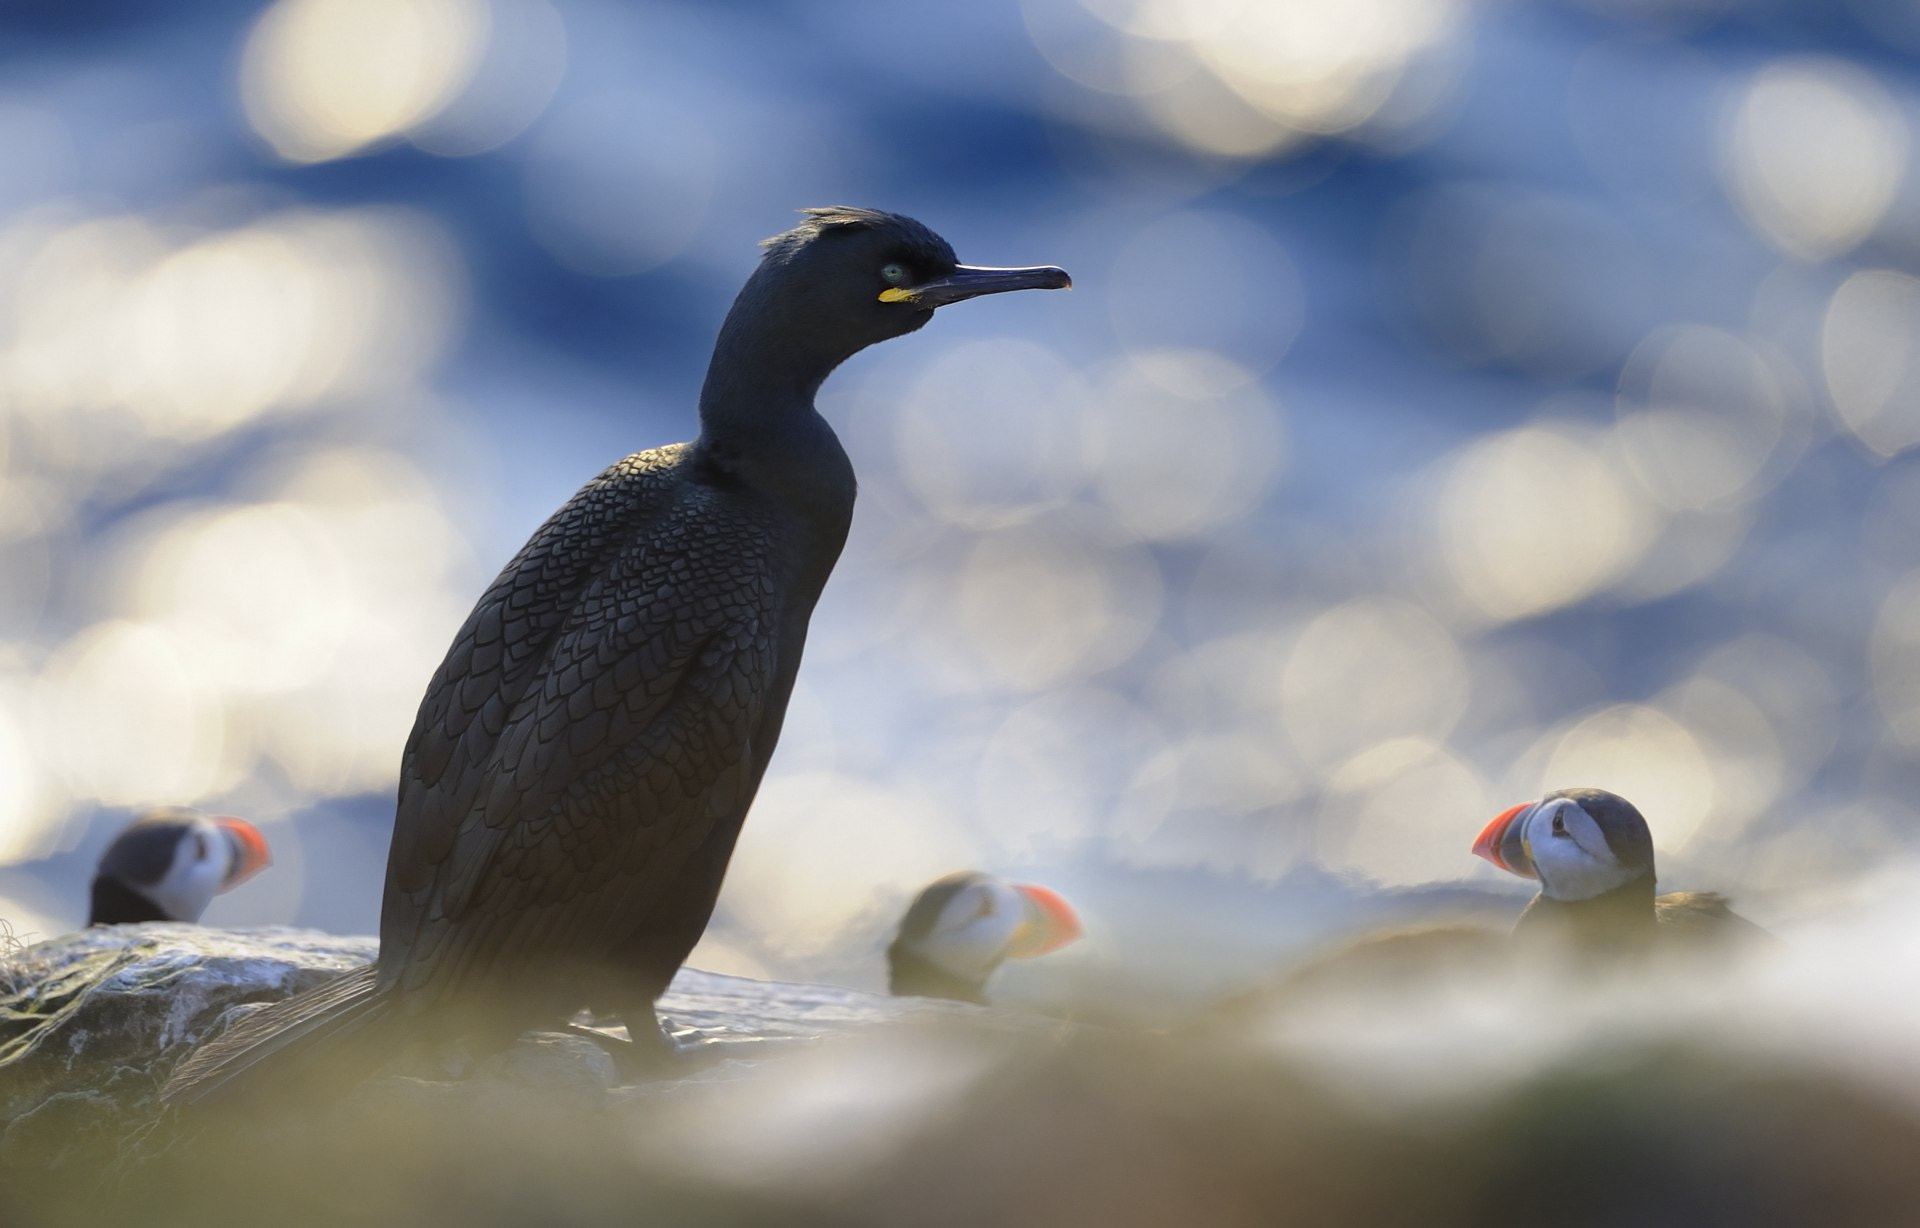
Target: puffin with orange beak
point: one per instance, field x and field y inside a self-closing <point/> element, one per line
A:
<point x="962" y="926"/>
<point x="1592" y="854"/>
<point x="170" y="864"/>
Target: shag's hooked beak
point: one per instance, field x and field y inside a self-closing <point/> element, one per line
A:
<point x="1504" y="842"/>
<point x="250" y="852"/>
<point x="1050" y="924"/>
<point x="967" y="281"/>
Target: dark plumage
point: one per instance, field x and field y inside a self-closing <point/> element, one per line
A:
<point x="1593" y="854"/>
<point x="170" y="863"/>
<point x="585" y="755"/>
<point x="963" y="926"/>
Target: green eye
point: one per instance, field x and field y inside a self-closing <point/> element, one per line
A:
<point x="894" y="273"/>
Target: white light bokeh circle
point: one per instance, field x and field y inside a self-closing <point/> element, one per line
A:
<point x="1814" y="154"/>
<point x="1870" y="354"/>
<point x="1182" y="442"/>
<point x="1402" y="812"/>
<point x="31" y="817"/>
<point x="1367" y="671"/>
<point x="321" y="79"/>
<point x="1047" y="603"/>
<point x="1646" y="756"/>
<point x="1893" y="658"/>
<point x="1536" y="518"/>
<point x="988" y="434"/>
<point x="125" y="719"/>
<point x="1048" y="775"/>
<point x="1701" y="415"/>
<point x="825" y="848"/>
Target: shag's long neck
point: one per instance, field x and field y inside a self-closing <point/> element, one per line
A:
<point x="908" y="974"/>
<point x="756" y="407"/>
<point x="1624" y="915"/>
<point x="761" y="437"/>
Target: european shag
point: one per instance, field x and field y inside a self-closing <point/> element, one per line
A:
<point x="585" y="755"/>
<point x="963" y="926"/>
<point x="170" y="863"/>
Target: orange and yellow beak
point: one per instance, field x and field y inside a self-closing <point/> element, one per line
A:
<point x="251" y="854"/>
<point x="1504" y="843"/>
<point x="1051" y="923"/>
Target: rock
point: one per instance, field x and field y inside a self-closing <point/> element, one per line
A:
<point x="92" y="1023"/>
<point x="557" y="1062"/>
<point x="135" y="997"/>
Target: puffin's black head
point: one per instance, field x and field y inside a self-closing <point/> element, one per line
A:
<point x="847" y="278"/>
<point x="170" y="864"/>
<point x="963" y="925"/>
<point x="1579" y="843"/>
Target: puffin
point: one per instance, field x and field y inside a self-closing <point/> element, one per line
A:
<point x="585" y="755"/>
<point x="962" y="926"/>
<point x="170" y="863"/>
<point x="1592" y="853"/>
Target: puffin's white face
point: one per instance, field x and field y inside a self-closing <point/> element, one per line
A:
<point x="203" y="861"/>
<point x="1570" y="852"/>
<point x="1556" y="841"/>
<point x="988" y="921"/>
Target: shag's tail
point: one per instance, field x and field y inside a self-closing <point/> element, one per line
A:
<point x="304" y="1027"/>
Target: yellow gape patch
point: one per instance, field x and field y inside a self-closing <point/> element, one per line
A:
<point x="895" y="294"/>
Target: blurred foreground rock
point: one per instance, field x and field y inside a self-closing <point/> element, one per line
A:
<point x="92" y="1023"/>
<point x="1417" y="1101"/>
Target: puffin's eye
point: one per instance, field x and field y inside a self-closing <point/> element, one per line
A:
<point x="986" y="907"/>
<point x="199" y="847"/>
<point x="894" y="274"/>
<point x="1559" y="824"/>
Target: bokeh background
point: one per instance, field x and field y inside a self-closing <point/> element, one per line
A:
<point x="1456" y="401"/>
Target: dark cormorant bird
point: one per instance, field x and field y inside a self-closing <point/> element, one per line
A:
<point x="963" y="926"/>
<point x="1593" y="855"/>
<point x="170" y="863"/>
<point x="585" y="755"/>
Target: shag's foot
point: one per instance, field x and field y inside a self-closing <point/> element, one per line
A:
<point x="648" y="1055"/>
<point x="655" y="1053"/>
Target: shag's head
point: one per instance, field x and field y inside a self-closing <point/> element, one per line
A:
<point x="850" y="277"/>
<point x="170" y="864"/>
<point x="960" y="928"/>
<point x="1579" y="843"/>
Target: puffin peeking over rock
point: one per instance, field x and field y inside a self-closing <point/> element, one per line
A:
<point x="170" y="864"/>
<point x="1593" y="856"/>
<point x="962" y="926"/>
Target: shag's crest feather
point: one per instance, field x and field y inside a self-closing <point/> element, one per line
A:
<point x="913" y="237"/>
